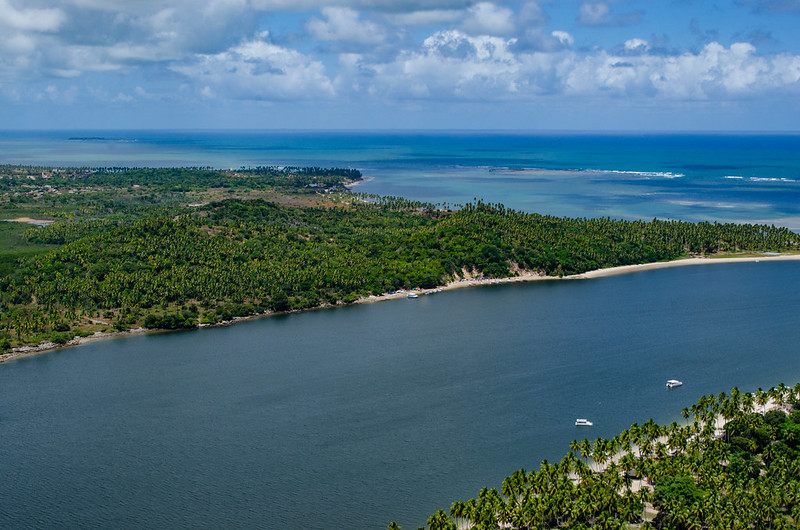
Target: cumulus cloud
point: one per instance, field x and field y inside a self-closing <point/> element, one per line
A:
<point x="532" y="15"/>
<point x="392" y="6"/>
<point x="344" y="25"/>
<point x="454" y="65"/>
<point x="69" y="38"/>
<point x="31" y="19"/>
<point x="593" y="14"/>
<point x="425" y="18"/>
<point x="532" y="21"/>
<point x="450" y="64"/>
<point x="563" y="37"/>
<point x="636" y="46"/>
<point x="714" y="72"/>
<point x="259" y="70"/>
<point x="439" y="50"/>
<point x="485" y="18"/>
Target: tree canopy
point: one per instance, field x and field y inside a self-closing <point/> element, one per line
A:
<point x="135" y="248"/>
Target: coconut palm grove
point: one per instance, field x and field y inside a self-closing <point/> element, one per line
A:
<point x="170" y="248"/>
<point x="734" y="463"/>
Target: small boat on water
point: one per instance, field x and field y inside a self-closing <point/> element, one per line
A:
<point x="583" y="422"/>
<point x="412" y="295"/>
<point x="672" y="383"/>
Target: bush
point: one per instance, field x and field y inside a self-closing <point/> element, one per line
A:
<point x="172" y="321"/>
<point x="60" y="338"/>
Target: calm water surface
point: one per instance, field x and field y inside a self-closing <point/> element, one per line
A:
<point x="350" y="418"/>
<point x="694" y="177"/>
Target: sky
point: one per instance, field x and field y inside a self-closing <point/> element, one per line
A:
<point x="658" y="65"/>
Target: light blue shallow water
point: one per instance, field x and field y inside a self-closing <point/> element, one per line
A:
<point x="353" y="417"/>
<point x="695" y="177"/>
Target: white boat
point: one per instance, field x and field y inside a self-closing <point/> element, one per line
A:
<point x="583" y="422"/>
<point x="412" y="295"/>
<point x="672" y="383"/>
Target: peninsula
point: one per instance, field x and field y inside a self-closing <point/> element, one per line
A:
<point x="733" y="463"/>
<point x="118" y="249"/>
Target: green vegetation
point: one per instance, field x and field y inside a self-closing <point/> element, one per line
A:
<point x="744" y="475"/>
<point x="177" y="248"/>
<point x="15" y="246"/>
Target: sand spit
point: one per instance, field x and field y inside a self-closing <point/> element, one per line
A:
<point x="467" y="281"/>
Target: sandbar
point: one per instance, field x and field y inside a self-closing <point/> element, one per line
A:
<point x="466" y="281"/>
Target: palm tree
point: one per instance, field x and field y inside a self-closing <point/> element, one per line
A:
<point x="762" y="398"/>
<point x="440" y="521"/>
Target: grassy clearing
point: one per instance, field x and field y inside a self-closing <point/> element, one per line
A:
<point x="14" y="246"/>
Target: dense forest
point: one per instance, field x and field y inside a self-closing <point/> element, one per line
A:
<point x="734" y="463"/>
<point x="181" y="247"/>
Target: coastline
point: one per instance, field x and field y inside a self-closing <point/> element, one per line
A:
<point x="467" y="281"/>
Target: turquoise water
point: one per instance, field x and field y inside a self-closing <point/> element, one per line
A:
<point x="353" y="417"/>
<point x="695" y="177"/>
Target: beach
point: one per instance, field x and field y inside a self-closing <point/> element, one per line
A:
<point x="467" y="280"/>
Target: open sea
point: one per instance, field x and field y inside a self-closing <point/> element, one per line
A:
<point x="694" y="177"/>
<point x="352" y="417"/>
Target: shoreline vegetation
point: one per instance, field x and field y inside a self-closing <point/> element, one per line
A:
<point x="521" y="277"/>
<point x="99" y="253"/>
<point x="732" y="463"/>
<point x="102" y="252"/>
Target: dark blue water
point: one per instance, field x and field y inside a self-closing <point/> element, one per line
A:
<point x="353" y="417"/>
<point x="695" y="177"/>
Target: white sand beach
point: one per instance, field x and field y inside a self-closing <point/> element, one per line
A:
<point x="467" y="281"/>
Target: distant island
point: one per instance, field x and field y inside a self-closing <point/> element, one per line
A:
<point x="121" y="249"/>
<point x="98" y="139"/>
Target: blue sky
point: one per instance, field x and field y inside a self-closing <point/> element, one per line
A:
<point x="384" y="64"/>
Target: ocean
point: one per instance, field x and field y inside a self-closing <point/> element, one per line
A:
<point x="352" y="417"/>
<point x="752" y="178"/>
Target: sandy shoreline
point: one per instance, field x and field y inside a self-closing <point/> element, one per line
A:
<point x="523" y="276"/>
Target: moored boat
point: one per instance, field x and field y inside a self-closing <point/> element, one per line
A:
<point x="583" y="422"/>
<point x="672" y="383"/>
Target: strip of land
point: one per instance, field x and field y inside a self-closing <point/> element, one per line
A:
<point x="39" y="222"/>
<point x="466" y="281"/>
<point x="527" y="276"/>
<point x="684" y="262"/>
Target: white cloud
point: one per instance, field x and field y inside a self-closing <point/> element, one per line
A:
<point x="564" y="38"/>
<point x="426" y="17"/>
<point x="123" y="98"/>
<point x="377" y="5"/>
<point x="593" y="14"/>
<point x="637" y="45"/>
<point x="474" y="51"/>
<point x="532" y="15"/>
<point x="343" y="25"/>
<point x="259" y="70"/>
<point x="485" y="18"/>
<point x="44" y="20"/>
<point x="714" y="72"/>
<point x="451" y="64"/>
